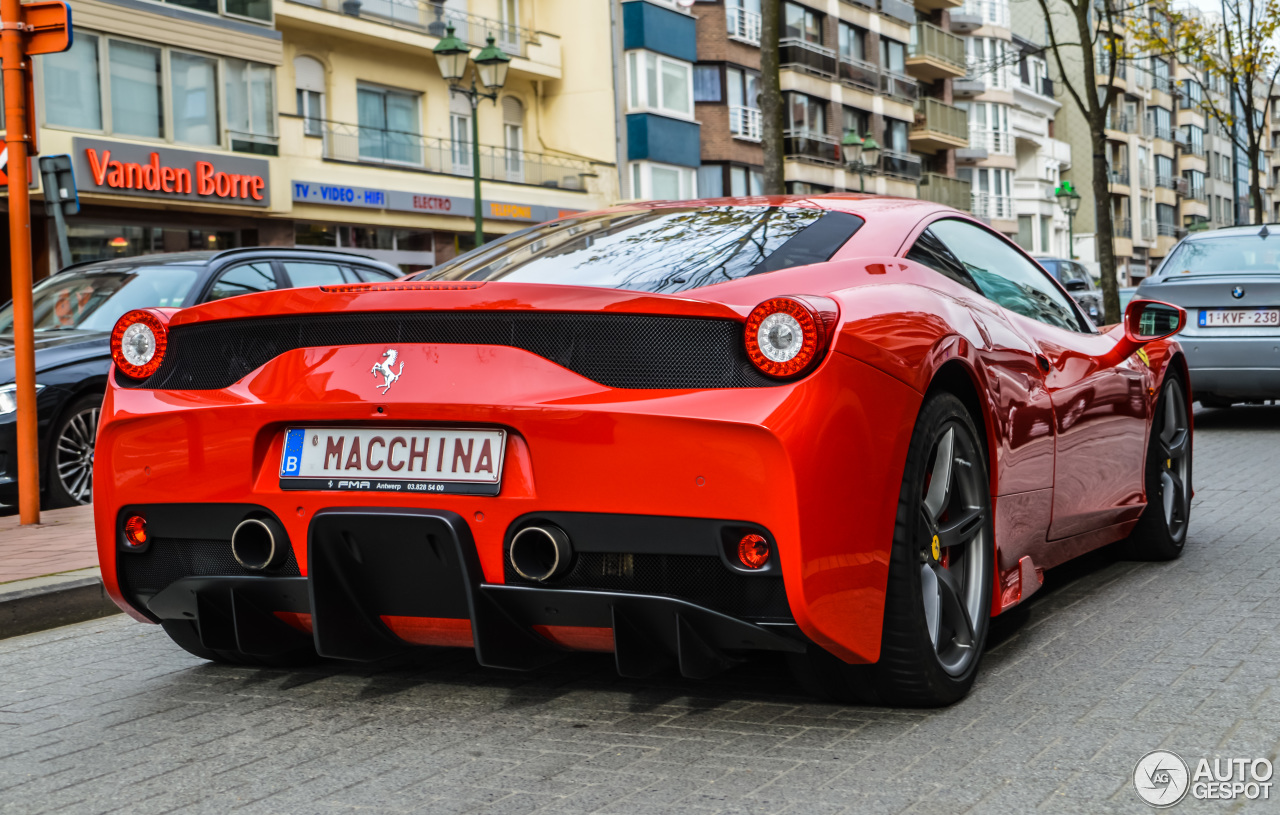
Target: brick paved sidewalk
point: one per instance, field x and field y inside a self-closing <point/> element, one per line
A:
<point x="62" y="542"/>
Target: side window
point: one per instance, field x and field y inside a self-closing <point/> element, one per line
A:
<point x="373" y="275"/>
<point x="303" y="273"/>
<point x="931" y="252"/>
<point x="1005" y="276"/>
<point x="246" y="279"/>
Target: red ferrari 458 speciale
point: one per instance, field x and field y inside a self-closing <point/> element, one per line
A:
<point x="846" y="428"/>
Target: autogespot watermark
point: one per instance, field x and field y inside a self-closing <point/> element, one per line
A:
<point x="1163" y="779"/>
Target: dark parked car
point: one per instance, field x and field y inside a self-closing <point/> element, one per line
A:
<point x="1075" y="278"/>
<point x="75" y="311"/>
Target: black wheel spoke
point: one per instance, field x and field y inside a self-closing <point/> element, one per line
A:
<point x="932" y="601"/>
<point x="939" y="492"/>
<point x="960" y="530"/>
<point x="955" y="616"/>
<point x="1176" y="446"/>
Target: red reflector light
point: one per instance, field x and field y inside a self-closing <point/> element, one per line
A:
<point x="785" y="336"/>
<point x="138" y="342"/>
<point x="412" y="285"/>
<point x="753" y="551"/>
<point x="135" y="530"/>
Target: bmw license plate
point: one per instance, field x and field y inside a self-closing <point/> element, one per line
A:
<point x="393" y="459"/>
<point x="1239" y="317"/>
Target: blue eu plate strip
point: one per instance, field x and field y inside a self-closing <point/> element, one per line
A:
<point x="291" y="459"/>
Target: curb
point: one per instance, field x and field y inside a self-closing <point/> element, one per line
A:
<point x="27" y="606"/>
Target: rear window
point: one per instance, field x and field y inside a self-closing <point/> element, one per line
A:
<point x="659" y="250"/>
<point x="1238" y="253"/>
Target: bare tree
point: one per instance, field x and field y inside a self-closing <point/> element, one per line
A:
<point x="771" y="110"/>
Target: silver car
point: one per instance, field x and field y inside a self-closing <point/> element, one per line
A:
<point x="1228" y="280"/>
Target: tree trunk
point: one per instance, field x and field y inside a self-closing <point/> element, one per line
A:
<point x="1255" y="183"/>
<point x="771" y="110"/>
<point x="1104" y="231"/>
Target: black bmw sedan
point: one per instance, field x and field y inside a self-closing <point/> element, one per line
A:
<point x="75" y="311"/>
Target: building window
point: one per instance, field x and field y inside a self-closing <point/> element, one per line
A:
<point x="853" y="43"/>
<point x="662" y="182"/>
<point x="857" y="121"/>
<point x="896" y="134"/>
<point x="801" y="23"/>
<point x="71" y="94"/>
<point x="137" y="95"/>
<point x="806" y="114"/>
<point x="893" y="55"/>
<point x="513" y="137"/>
<point x="389" y="125"/>
<point x="706" y="83"/>
<point x="744" y="103"/>
<point x="195" y="83"/>
<point x="460" y="133"/>
<point x="308" y="78"/>
<point x="659" y="84"/>
<point x="715" y="180"/>
<point x="251" y="109"/>
<point x="255" y="9"/>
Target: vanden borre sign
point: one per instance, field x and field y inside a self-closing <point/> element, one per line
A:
<point x="120" y="168"/>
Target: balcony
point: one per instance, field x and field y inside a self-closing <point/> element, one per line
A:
<point x="1103" y="66"/>
<point x="1167" y="181"/>
<point x="900" y="87"/>
<point x="1163" y="132"/>
<point x="860" y="74"/>
<point x="992" y="207"/>
<point x="938" y="5"/>
<point x="1123" y="227"/>
<point x="1163" y="84"/>
<point x="935" y="54"/>
<point x="1197" y="193"/>
<point x="941" y="189"/>
<point x="808" y="57"/>
<point x="975" y="14"/>
<point x="743" y="25"/>
<point x="1118" y="178"/>
<point x="1182" y="138"/>
<point x="1119" y="122"/>
<point x="969" y="86"/>
<point x="938" y="126"/>
<point x="430" y="18"/>
<point x="900" y="165"/>
<point x="402" y="150"/>
<point x="1166" y="230"/>
<point x="999" y="142"/>
<point x="898" y="10"/>
<point x="744" y="123"/>
<point x="809" y="145"/>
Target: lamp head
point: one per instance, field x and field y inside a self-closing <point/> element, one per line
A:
<point x="451" y="56"/>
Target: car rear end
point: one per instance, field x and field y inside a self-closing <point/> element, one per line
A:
<point x="1229" y="283"/>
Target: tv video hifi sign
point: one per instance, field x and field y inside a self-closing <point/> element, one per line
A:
<point x="120" y="168"/>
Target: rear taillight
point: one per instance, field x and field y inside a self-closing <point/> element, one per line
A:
<point x="135" y="531"/>
<point x="138" y="342"/>
<point x="786" y="336"/>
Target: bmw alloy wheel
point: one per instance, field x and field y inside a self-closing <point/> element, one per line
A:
<point x="73" y="456"/>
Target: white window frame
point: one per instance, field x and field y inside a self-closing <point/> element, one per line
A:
<point x="640" y="177"/>
<point x="638" y="100"/>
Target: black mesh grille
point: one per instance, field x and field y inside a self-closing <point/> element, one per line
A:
<point x="700" y="579"/>
<point x="617" y="350"/>
<point x="168" y="559"/>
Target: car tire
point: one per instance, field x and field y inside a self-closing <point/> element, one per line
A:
<point x="1210" y="401"/>
<point x="187" y="637"/>
<point x="1161" y="532"/>
<point x="70" y="463"/>
<point x="938" y="598"/>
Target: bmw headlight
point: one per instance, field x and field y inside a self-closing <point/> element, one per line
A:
<point x="9" y="398"/>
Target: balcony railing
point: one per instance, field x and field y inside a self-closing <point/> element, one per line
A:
<point x="413" y="151"/>
<point x="1167" y="181"/>
<point x="807" y="56"/>
<point x="929" y="41"/>
<point x="743" y="25"/>
<point x="860" y="74"/>
<point x="1103" y="68"/>
<point x="1123" y="227"/>
<point x="939" y="117"/>
<point x="941" y="189"/>
<point x="1180" y="186"/>
<point x="899" y="86"/>
<point x="744" y="122"/>
<point x="1164" y="132"/>
<point x="811" y="145"/>
<point x="1163" y="84"/>
<point x="1118" y="177"/>
<point x="1165" y="230"/>
<point x="991" y="12"/>
<point x="993" y="141"/>
<point x="1119" y="122"/>
<point x="898" y="10"/>
<point x="1197" y="192"/>
<point x="986" y="205"/>
<point x="430" y="17"/>
<point x="900" y="165"/>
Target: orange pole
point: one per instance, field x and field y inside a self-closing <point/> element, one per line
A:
<point x="16" y="65"/>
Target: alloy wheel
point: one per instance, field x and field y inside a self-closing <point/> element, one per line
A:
<point x="954" y="558"/>
<point x="1175" y="462"/>
<point x="74" y="455"/>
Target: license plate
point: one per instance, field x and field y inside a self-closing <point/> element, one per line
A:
<point x="393" y="459"/>
<point x="1239" y="317"/>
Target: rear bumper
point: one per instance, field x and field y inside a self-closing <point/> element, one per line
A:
<point x="381" y="580"/>
<point x="1241" y="367"/>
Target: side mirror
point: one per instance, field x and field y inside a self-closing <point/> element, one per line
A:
<point x="1146" y="321"/>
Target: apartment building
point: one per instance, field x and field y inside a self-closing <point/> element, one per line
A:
<point x="205" y="124"/>
<point x="878" y="68"/>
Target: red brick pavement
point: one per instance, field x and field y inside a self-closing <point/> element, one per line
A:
<point x="62" y="542"/>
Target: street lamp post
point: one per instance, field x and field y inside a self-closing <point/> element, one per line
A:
<point x="491" y="66"/>
<point x="860" y="155"/>
<point x="1069" y="200"/>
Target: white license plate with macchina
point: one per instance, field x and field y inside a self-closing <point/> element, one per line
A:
<point x="1240" y="317"/>
<point x="456" y="461"/>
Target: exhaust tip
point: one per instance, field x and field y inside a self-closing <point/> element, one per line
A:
<point x="259" y="543"/>
<point x="541" y="553"/>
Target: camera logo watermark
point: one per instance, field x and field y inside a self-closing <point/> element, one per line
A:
<point x="1162" y="779"/>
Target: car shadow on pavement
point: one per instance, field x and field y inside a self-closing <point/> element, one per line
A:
<point x="1241" y="417"/>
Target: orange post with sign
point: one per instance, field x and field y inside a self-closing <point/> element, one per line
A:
<point x="36" y="28"/>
